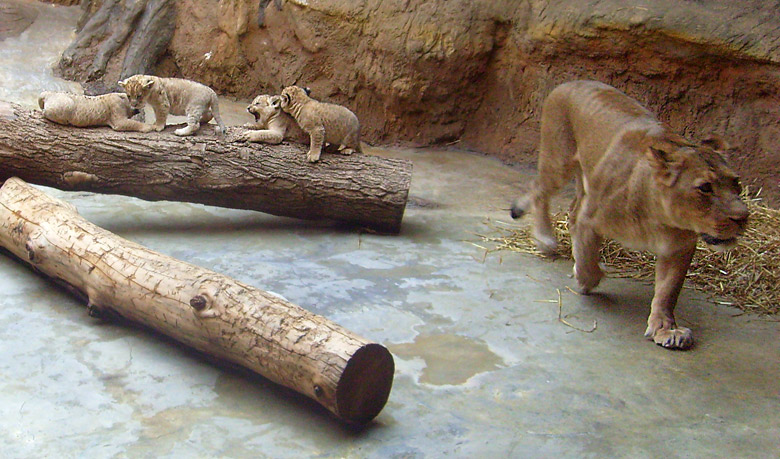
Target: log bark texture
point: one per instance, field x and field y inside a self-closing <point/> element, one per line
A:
<point x="363" y="190"/>
<point x="210" y="312"/>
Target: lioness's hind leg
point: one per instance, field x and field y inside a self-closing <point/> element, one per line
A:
<point x="557" y="151"/>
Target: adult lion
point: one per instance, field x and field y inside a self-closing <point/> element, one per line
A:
<point x="636" y="183"/>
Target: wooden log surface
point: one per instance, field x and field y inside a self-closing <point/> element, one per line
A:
<point x="210" y="312"/>
<point x="363" y="190"/>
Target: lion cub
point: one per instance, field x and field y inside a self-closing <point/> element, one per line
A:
<point x="636" y="183"/>
<point x="84" y="111"/>
<point x="323" y="122"/>
<point x="174" y="96"/>
<point x="271" y="123"/>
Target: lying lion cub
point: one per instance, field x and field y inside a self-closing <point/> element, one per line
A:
<point x="271" y="123"/>
<point x="323" y="122"/>
<point x="85" y="111"/>
<point x="637" y="183"/>
<point x="174" y="96"/>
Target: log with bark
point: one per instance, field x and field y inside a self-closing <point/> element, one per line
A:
<point x="212" y="313"/>
<point x="363" y="190"/>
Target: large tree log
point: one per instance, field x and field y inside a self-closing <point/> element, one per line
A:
<point x="217" y="315"/>
<point x="360" y="189"/>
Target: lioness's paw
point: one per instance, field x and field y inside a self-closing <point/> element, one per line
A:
<point x="676" y="338"/>
<point x="147" y="128"/>
<point x="312" y="157"/>
<point x="158" y="127"/>
<point x="545" y="244"/>
<point x="346" y="151"/>
<point x="671" y="338"/>
<point x="587" y="280"/>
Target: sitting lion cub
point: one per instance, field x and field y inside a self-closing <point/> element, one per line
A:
<point x="84" y="111"/>
<point x="271" y="123"/>
<point x="637" y="183"/>
<point x="323" y="122"/>
<point x="174" y="96"/>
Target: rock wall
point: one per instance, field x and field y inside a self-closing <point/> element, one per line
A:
<point x="475" y="72"/>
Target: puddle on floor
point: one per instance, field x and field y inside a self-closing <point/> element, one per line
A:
<point x="449" y="359"/>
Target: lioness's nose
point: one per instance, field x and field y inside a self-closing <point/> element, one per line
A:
<point x="739" y="213"/>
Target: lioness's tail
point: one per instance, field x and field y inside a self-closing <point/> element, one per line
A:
<point x="221" y="129"/>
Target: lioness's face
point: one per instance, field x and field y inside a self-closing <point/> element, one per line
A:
<point x="704" y="194"/>
<point x="264" y="107"/>
<point x="137" y="89"/>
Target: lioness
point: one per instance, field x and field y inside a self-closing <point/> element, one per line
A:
<point x="174" y="96"/>
<point x="271" y="123"/>
<point x="323" y="122"/>
<point x="85" y="111"/>
<point x="637" y="183"/>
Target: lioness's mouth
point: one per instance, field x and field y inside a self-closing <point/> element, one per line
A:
<point x="712" y="240"/>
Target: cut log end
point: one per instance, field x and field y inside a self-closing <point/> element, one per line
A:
<point x="365" y="384"/>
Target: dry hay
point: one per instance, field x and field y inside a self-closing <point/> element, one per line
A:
<point x="748" y="275"/>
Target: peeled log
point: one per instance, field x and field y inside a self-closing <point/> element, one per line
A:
<point x="210" y="312"/>
<point x="363" y="190"/>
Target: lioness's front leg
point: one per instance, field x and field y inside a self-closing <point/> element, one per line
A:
<point x="585" y="247"/>
<point x="317" y="138"/>
<point x="670" y="273"/>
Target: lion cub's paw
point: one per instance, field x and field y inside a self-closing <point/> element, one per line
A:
<point x="346" y="151"/>
<point x="312" y="157"/>
<point x="147" y="128"/>
<point x="674" y="338"/>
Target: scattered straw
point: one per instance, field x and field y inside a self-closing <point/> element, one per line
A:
<point x="562" y="318"/>
<point x="748" y="276"/>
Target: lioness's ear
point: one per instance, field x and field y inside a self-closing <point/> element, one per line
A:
<point x="148" y="83"/>
<point x="715" y="142"/>
<point x="663" y="157"/>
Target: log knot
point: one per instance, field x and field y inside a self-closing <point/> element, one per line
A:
<point x="78" y="178"/>
<point x="198" y="302"/>
<point x="202" y="305"/>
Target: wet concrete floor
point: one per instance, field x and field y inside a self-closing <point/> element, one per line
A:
<point x="483" y="366"/>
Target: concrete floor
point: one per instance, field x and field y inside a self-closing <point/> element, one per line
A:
<point x="483" y="366"/>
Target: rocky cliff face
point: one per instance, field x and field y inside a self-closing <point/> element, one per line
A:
<point x="476" y="71"/>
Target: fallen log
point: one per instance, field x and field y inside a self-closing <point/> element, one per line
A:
<point x="210" y="312"/>
<point x="362" y="190"/>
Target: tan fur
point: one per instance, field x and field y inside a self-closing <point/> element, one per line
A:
<point x="637" y="183"/>
<point x="323" y="122"/>
<point x="271" y="123"/>
<point x="174" y="96"/>
<point x="84" y="111"/>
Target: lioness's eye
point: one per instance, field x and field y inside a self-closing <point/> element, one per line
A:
<point x="705" y="187"/>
